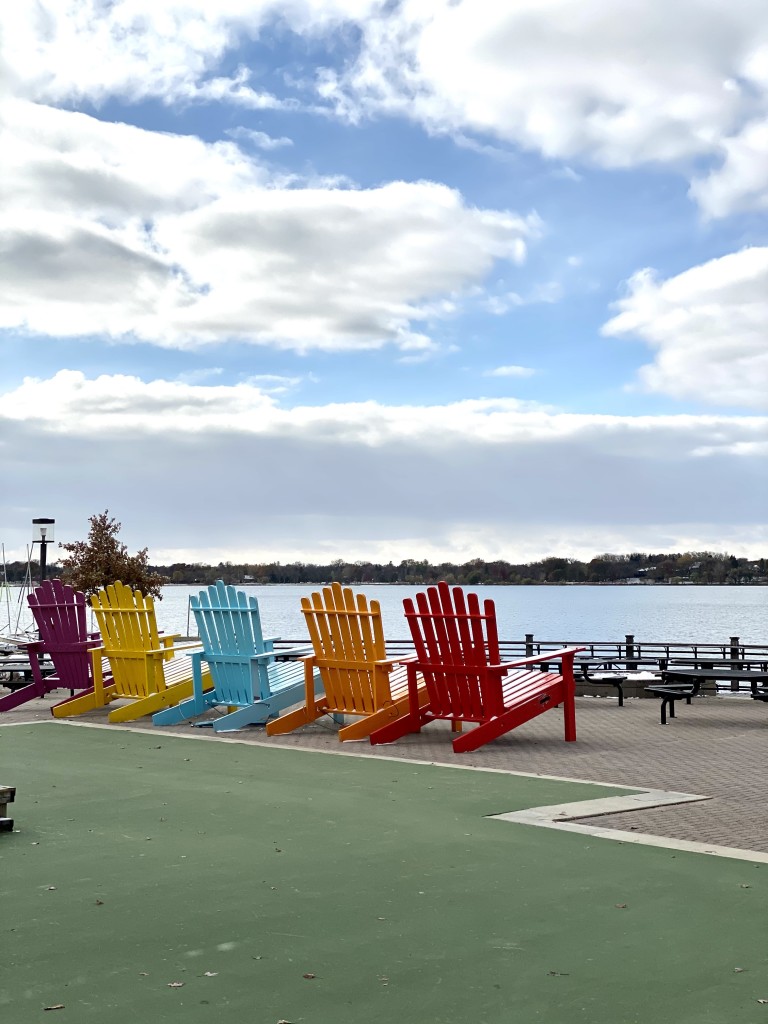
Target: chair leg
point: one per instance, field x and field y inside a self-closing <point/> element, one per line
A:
<point x="21" y="696"/>
<point x="254" y="714"/>
<point x="400" y="727"/>
<point x="87" y="701"/>
<point x="181" y="712"/>
<point x="154" y="702"/>
<point x="295" y="719"/>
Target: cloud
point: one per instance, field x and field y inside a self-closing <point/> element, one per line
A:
<point x="65" y="51"/>
<point x="741" y="181"/>
<point x="593" y="81"/>
<point x="359" y="479"/>
<point x="215" y="248"/>
<point x="684" y="85"/>
<point x="708" y="328"/>
<point x="510" y="371"/>
<point x="260" y="139"/>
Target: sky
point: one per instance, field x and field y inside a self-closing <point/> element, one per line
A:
<point x="443" y="279"/>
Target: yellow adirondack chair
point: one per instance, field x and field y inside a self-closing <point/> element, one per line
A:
<point x="358" y="677"/>
<point x="145" y="667"/>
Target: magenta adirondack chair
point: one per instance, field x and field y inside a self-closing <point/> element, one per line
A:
<point x="457" y="654"/>
<point x="60" y="615"/>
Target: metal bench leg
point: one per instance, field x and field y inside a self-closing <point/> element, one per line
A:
<point x="667" y="702"/>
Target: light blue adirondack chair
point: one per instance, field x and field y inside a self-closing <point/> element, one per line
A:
<point x="246" y="677"/>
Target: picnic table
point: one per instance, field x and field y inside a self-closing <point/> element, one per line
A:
<point x="15" y="670"/>
<point x="680" y="682"/>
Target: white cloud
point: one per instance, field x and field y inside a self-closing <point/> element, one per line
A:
<point x="510" y="371"/>
<point x="672" y="84"/>
<point x="591" y="81"/>
<point x="741" y="182"/>
<point x="62" y="51"/>
<point x="212" y="249"/>
<point x="364" y="479"/>
<point x="708" y="326"/>
<point x="261" y="140"/>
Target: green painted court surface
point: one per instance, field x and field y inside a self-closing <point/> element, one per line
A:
<point x="284" y="885"/>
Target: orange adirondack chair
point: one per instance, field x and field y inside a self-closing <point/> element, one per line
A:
<point x="145" y="668"/>
<point x="457" y="656"/>
<point x="357" y="676"/>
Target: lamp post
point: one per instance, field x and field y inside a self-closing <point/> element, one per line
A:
<point x="42" y="534"/>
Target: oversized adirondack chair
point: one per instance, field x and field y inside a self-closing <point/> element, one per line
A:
<point x="357" y="676"/>
<point x="457" y="655"/>
<point x="146" y="668"/>
<point x="60" y="615"/>
<point x="246" y="677"/>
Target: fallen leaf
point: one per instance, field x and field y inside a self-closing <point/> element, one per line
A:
<point x="99" y="903"/>
<point x="60" y="1006"/>
<point x="175" y="984"/>
<point x="744" y="886"/>
<point x="309" y="977"/>
<point x="738" y="970"/>
<point x="557" y="974"/>
<point x="210" y="974"/>
<point x="51" y="888"/>
<point x="620" y="906"/>
<point x="143" y="974"/>
<point x="763" y="1001"/>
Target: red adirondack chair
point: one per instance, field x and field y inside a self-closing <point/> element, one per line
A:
<point x="60" y="617"/>
<point x="457" y="653"/>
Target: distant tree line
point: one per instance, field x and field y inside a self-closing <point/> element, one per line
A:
<point x="702" y="567"/>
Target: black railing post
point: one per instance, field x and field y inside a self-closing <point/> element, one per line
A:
<point x="529" y="645"/>
<point x="630" y="639"/>
<point x="735" y="654"/>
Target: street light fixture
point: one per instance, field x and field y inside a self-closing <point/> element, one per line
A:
<point x="42" y="534"/>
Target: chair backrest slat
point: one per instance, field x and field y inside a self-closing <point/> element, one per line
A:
<point x="456" y="645"/>
<point x="60" y="615"/>
<point x="229" y="625"/>
<point x="348" y="637"/>
<point x="129" y="630"/>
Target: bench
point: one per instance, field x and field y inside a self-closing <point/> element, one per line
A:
<point x="684" y="683"/>
<point x="7" y="795"/>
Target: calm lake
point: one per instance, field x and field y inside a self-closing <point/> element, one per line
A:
<point x="653" y="614"/>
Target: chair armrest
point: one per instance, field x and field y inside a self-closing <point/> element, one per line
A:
<point x="174" y="647"/>
<point x="537" y="659"/>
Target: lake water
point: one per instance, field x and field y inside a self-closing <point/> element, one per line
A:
<point x="651" y="613"/>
